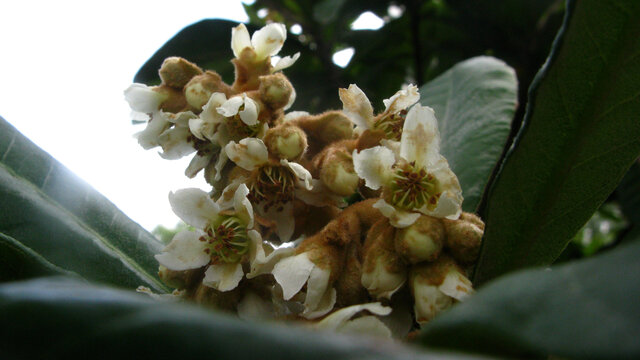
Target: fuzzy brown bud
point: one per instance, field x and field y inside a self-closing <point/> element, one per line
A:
<point x="200" y="88"/>
<point x="179" y="279"/>
<point x="275" y="90"/>
<point x="174" y="99"/>
<point x="286" y="142"/>
<point x="421" y="241"/>
<point x="464" y="237"/>
<point x="219" y="300"/>
<point x="176" y="72"/>
<point x="337" y="172"/>
<point x="383" y="271"/>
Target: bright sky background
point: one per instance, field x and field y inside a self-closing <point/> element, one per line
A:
<point x="63" y="69"/>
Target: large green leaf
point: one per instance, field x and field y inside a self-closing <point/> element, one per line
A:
<point x="19" y="262"/>
<point x="57" y="318"/>
<point x="587" y="309"/>
<point x="580" y="135"/>
<point x="51" y="211"/>
<point x="474" y="102"/>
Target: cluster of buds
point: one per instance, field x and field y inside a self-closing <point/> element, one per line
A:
<point x="400" y="253"/>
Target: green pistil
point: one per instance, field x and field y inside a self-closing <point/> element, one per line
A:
<point x="412" y="188"/>
<point x="227" y="241"/>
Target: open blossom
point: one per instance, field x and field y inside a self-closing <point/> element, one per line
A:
<point x="223" y="238"/>
<point x="272" y="183"/>
<point x="358" y="108"/>
<point x="264" y="43"/>
<point x="145" y="105"/>
<point x="415" y="180"/>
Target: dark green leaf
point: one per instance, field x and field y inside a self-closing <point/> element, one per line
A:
<point x="474" y="103"/>
<point x="580" y="135"/>
<point x="587" y="309"/>
<point x="58" y="319"/>
<point x="629" y="194"/>
<point x="19" y="262"/>
<point x="326" y="11"/>
<point x="51" y="211"/>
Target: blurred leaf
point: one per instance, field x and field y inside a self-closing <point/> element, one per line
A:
<point x="601" y="230"/>
<point x="326" y="11"/>
<point x="48" y="209"/>
<point x="18" y="262"/>
<point x="629" y="194"/>
<point x="59" y="318"/>
<point x="165" y="235"/>
<point x="579" y="137"/>
<point x="587" y="309"/>
<point x="474" y="103"/>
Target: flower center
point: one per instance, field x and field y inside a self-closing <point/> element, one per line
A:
<point x="238" y="129"/>
<point x="391" y="125"/>
<point x="412" y="188"/>
<point x="273" y="185"/>
<point x="202" y="147"/>
<point x="226" y="240"/>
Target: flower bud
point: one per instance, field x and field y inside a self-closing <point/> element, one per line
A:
<point x="174" y="101"/>
<point x="176" y="72"/>
<point x="464" y="237"/>
<point x="219" y="300"/>
<point x="383" y="271"/>
<point x="275" y="90"/>
<point x="286" y="142"/>
<point x="333" y="126"/>
<point x="200" y="88"/>
<point x="338" y="174"/>
<point x="421" y="241"/>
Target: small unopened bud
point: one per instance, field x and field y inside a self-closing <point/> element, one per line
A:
<point x="286" y="142"/>
<point x="338" y="174"/>
<point x="176" y="72"/>
<point x="464" y="237"/>
<point x="333" y="126"/>
<point x="435" y="287"/>
<point x="383" y="271"/>
<point x="179" y="279"/>
<point x="422" y="241"/>
<point x="275" y="90"/>
<point x="174" y="99"/>
<point x="200" y="88"/>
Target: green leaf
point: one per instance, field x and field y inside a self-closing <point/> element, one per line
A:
<point x="601" y="230"/>
<point x="59" y="318"/>
<point x="629" y="194"/>
<point x="587" y="309"/>
<point x="51" y="211"/>
<point x="18" y="262"/>
<point x="580" y="135"/>
<point x="474" y="102"/>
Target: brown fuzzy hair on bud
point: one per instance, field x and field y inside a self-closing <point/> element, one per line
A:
<point x="286" y="141"/>
<point x="464" y="237"/>
<point x="174" y="102"/>
<point x="275" y="90"/>
<point x="324" y="129"/>
<point x="248" y="71"/>
<point x="200" y="88"/>
<point x="334" y="165"/>
<point x="186" y="279"/>
<point x="226" y="301"/>
<point x="421" y="241"/>
<point x="176" y="72"/>
<point x="383" y="271"/>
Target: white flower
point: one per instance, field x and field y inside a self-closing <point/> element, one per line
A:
<point x="418" y="180"/>
<point x="292" y="273"/>
<point x="145" y="105"/>
<point x="358" y="108"/>
<point x="273" y="184"/>
<point x="264" y="43"/>
<point x="223" y="238"/>
<point x="341" y="321"/>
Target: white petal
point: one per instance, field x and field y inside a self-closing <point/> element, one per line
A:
<point x="230" y="107"/>
<point x="197" y="163"/>
<point x="366" y="325"/>
<point x="182" y="118"/>
<point x="292" y="99"/>
<point x="148" y="138"/>
<point x="357" y="106"/>
<point x="428" y="301"/>
<point x="397" y="217"/>
<point x="184" y="252"/>
<point x="450" y="201"/>
<point x="303" y="175"/>
<point x="193" y="206"/>
<point x="292" y="273"/>
<point x="249" y="115"/>
<point x="456" y="285"/>
<point x="252" y="308"/>
<point x="142" y="98"/>
<point x="239" y="39"/>
<point x="283" y="217"/>
<point x="294" y="115"/>
<point x="269" y="40"/>
<point x="374" y="165"/>
<point x="261" y="263"/>
<point x="340" y="317"/>
<point x="317" y="286"/>
<point x="401" y="100"/>
<point x="325" y="305"/>
<point x="249" y="154"/>
<point x="381" y="283"/>
<point x="174" y="143"/>
<point x="242" y="205"/>
<point x="220" y="163"/>
<point x="223" y="277"/>
<point x="420" y="140"/>
<point x="319" y="195"/>
<point x="285" y="62"/>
